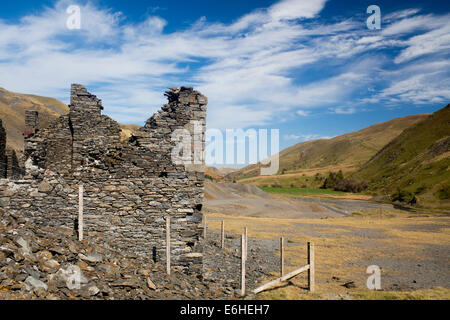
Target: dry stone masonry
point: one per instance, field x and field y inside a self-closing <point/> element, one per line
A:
<point x="129" y="187"/>
<point x="13" y="169"/>
<point x="31" y="123"/>
<point x="2" y="151"/>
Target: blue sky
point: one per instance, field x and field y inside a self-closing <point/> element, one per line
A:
<point x="310" y="68"/>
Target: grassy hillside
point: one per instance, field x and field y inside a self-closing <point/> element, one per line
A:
<point x="416" y="162"/>
<point x="347" y="152"/>
<point x="12" y="112"/>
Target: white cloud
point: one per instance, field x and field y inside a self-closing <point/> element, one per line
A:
<point x="251" y="70"/>
<point x="437" y="40"/>
<point x="371" y="39"/>
<point x="302" y="113"/>
<point x="423" y="83"/>
<point x="397" y="15"/>
<point x="240" y="116"/>
<point x="291" y="137"/>
<point x="343" y="110"/>
<point x="305" y="137"/>
<point x="294" y="9"/>
<point x="408" y="25"/>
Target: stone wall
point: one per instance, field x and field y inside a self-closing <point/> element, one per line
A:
<point x="129" y="214"/>
<point x="2" y="151"/>
<point x="13" y="170"/>
<point x="31" y="123"/>
<point x="67" y="144"/>
<point x="130" y="188"/>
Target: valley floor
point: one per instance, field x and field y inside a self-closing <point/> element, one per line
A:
<point x="411" y="249"/>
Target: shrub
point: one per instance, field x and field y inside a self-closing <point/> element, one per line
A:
<point x="337" y="182"/>
<point x="347" y="185"/>
<point x="332" y="180"/>
<point x="421" y="189"/>
<point x="403" y="196"/>
<point x="276" y="185"/>
<point x="444" y="193"/>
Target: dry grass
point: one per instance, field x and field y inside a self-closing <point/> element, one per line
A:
<point x="294" y="292"/>
<point x="337" y="248"/>
<point x="12" y="112"/>
<point x="427" y="294"/>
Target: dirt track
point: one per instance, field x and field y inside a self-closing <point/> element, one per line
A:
<point x="247" y="200"/>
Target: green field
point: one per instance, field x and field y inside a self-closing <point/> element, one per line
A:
<point x="301" y="191"/>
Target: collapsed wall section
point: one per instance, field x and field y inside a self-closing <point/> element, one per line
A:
<point x="186" y="110"/>
<point x="92" y="133"/>
<point x="51" y="148"/>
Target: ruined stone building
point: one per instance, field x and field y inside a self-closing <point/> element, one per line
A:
<point x="130" y="187"/>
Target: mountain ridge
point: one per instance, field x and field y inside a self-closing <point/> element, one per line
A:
<point x="414" y="166"/>
<point x="12" y="110"/>
<point x="348" y="151"/>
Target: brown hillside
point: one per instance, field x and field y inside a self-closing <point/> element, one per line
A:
<point x="12" y="112"/>
<point x="347" y="152"/>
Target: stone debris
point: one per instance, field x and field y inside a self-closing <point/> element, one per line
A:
<point x="31" y="283"/>
<point x="92" y="257"/>
<point x="222" y="267"/>
<point x="150" y="284"/>
<point x="58" y="269"/>
<point x="55" y="272"/>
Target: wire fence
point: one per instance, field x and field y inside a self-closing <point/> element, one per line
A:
<point x="309" y="267"/>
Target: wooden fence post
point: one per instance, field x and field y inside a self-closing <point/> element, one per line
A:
<point x="311" y="270"/>
<point x="246" y="243"/>
<point x="222" y="235"/>
<point x="243" y="255"/>
<point x="282" y="255"/>
<point x="80" y="212"/>
<point x="168" y="245"/>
